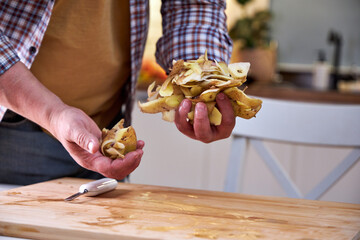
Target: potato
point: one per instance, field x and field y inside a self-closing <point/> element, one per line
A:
<point x="118" y="141"/>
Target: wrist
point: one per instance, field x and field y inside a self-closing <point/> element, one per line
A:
<point x="21" y="92"/>
<point x="54" y="117"/>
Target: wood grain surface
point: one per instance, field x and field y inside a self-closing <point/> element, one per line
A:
<point x="151" y="212"/>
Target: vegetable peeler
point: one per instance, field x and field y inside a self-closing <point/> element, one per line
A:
<point x="95" y="188"/>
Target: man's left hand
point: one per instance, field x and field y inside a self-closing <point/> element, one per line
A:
<point x="201" y="129"/>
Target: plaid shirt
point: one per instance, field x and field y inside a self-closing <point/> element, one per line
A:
<point x="189" y="27"/>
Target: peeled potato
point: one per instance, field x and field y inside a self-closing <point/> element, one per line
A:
<point x="200" y="81"/>
<point x="118" y="141"/>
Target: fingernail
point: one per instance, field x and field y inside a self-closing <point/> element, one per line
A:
<point x="203" y="107"/>
<point x="200" y="108"/>
<point x="90" y="147"/>
<point x="186" y="104"/>
<point x="221" y="96"/>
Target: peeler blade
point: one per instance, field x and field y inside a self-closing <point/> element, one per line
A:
<point x="72" y="197"/>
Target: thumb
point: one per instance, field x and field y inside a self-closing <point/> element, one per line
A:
<point x="93" y="146"/>
<point x="86" y="140"/>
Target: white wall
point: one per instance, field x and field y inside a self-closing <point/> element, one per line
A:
<point x="301" y="30"/>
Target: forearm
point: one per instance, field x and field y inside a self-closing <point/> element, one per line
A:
<point x="191" y="27"/>
<point x="21" y="92"/>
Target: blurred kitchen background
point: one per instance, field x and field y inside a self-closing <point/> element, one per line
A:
<point x="306" y="50"/>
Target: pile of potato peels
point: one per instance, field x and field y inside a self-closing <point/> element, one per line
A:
<point x="200" y="81"/>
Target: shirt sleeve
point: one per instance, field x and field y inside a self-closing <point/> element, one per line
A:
<point x="8" y="55"/>
<point x="189" y="28"/>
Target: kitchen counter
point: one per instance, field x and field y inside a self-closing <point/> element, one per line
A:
<point x="288" y="91"/>
<point x="134" y="211"/>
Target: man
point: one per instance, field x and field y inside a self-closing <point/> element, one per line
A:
<point x="88" y="54"/>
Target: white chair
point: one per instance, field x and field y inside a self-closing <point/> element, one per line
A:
<point x="295" y="122"/>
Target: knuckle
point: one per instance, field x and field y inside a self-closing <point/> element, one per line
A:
<point x="80" y="139"/>
<point x="179" y="126"/>
<point x="206" y="141"/>
<point x="226" y="134"/>
<point x="228" y="122"/>
<point x="204" y="138"/>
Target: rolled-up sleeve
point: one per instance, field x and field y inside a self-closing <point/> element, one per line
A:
<point x="189" y="28"/>
<point x="8" y="55"/>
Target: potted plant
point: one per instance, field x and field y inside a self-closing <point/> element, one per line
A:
<point x="250" y="34"/>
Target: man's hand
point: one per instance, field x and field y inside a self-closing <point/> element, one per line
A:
<point x="21" y="92"/>
<point x="201" y="129"/>
<point x="80" y="136"/>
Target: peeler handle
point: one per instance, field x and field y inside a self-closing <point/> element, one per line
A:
<point x="98" y="187"/>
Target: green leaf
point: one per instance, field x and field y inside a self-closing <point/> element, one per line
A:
<point x="252" y="31"/>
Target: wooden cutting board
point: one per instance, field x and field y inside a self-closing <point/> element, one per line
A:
<point x="151" y="212"/>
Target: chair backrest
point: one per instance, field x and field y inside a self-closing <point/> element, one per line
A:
<point x="304" y="122"/>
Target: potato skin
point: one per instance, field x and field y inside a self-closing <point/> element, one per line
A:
<point x="129" y="140"/>
<point x="118" y="141"/>
<point x="202" y="80"/>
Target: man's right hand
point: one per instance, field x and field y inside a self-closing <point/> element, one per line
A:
<point x="78" y="133"/>
<point x="80" y="136"/>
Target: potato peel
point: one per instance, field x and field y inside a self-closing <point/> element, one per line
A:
<point x="118" y="141"/>
<point x="200" y="81"/>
